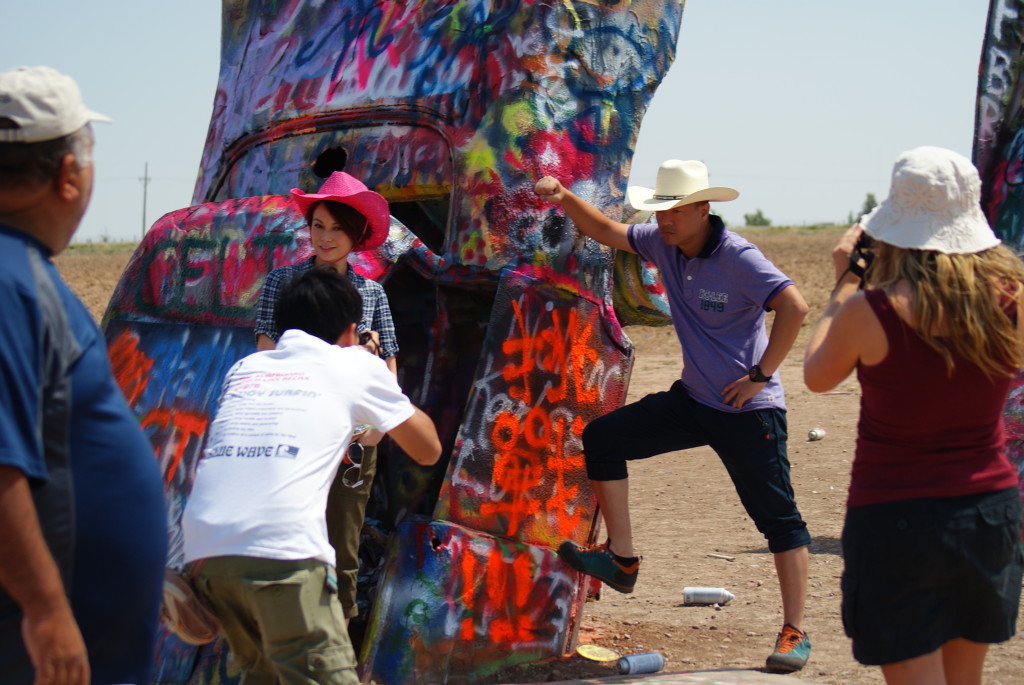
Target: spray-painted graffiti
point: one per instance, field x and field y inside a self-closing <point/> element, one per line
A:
<point x="206" y="264"/>
<point x="202" y="264"/>
<point x="466" y="604"/>
<point x="485" y="586"/>
<point x="517" y="470"/>
<point x="1013" y="418"/>
<point x="175" y="412"/>
<point x="508" y="320"/>
<point x="999" y="156"/>
<point x="999" y="121"/>
<point x="455" y="108"/>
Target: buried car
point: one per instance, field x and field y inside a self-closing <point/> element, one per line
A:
<point x="509" y="322"/>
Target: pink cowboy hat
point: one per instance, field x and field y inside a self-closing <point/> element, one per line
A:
<point x="346" y="189"/>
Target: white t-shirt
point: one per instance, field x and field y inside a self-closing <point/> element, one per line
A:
<point x="285" y="417"/>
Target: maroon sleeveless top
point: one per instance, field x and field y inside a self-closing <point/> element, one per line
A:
<point x="922" y="432"/>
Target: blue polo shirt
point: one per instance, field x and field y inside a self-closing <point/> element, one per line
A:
<point x="65" y="424"/>
<point x="718" y="301"/>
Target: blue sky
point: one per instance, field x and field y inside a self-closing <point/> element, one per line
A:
<point x="801" y="105"/>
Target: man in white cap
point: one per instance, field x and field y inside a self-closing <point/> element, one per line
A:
<point x="729" y="396"/>
<point x="82" y="512"/>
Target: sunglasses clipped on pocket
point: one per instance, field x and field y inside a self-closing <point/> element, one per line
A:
<point x="352" y="476"/>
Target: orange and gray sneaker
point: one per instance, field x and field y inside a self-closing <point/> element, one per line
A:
<point x="598" y="561"/>
<point x="792" y="649"/>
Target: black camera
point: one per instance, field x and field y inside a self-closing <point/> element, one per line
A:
<point x="861" y="257"/>
<point x="365" y="338"/>
<point x="865" y="243"/>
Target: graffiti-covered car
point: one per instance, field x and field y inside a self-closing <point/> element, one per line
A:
<point x="509" y="321"/>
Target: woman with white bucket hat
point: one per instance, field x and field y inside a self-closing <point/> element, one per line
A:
<point x="931" y="541"/>
<point x="729" y="396"/>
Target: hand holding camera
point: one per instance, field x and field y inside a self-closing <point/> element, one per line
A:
<point x="852" y="255"/>
<point x="861" y="257"/>
<point x="371" y="342"/>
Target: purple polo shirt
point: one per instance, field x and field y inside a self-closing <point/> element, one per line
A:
<point x="718" y="302"/>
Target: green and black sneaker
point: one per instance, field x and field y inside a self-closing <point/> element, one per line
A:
<point x="598" y="561"/>
<point x="792" y="650"/>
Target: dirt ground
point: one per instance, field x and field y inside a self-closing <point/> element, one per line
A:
<point x="689" y="524"/>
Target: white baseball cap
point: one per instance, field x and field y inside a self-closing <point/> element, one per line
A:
<point x="43" y="103"/>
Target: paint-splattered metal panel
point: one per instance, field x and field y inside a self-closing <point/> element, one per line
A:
<point x="466" y="101"/>
<point x="179" y="662"/>
<point x="206" y="264"/>
<point x="554" y="361"/>
<point x="177" y="402"/>
<point x="999" y="156"/>
<point x="999" y="121"/>
<point x="456" y="603"/>
<point x="180" y="316"/>
<point x="1013" y="418"/>
<point x="183" y="313"/>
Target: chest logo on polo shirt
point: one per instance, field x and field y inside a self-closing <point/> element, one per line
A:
<point x="711" y="301"/>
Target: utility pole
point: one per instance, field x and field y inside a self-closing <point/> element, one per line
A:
<point x="145" y="185"/>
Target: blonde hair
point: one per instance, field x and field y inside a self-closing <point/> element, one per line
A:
<point x="961" y="304"/>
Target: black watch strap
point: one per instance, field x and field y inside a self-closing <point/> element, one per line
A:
<point x="757" y="375"/>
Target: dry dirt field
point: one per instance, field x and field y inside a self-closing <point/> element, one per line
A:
<point x="689" y="524"/>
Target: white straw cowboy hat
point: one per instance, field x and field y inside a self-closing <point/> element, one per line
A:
<point x="678" y="183"/>
<point x="934" y="204"/>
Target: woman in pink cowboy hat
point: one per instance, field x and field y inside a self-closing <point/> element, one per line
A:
<point x="344" y="216"/>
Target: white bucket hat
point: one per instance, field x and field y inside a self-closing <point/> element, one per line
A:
<point x="934" y="204"/>
<point x="44" y="103"/>
<point x="678" y="183"/>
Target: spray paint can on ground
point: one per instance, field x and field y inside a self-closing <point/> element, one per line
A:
<point x="649" y="662"/>
<point x="815" y="434"/>
<point x="706" y="595"/>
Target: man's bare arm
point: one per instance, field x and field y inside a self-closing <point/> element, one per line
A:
<point x="418" y="437"/>
<point x="790" y="309"/>
<point x="263" y="343"/>
<point x="586" y="217"/>
<point x="30" y="576"/>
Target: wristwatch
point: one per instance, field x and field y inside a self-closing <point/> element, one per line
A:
<point x="757" y="376"/>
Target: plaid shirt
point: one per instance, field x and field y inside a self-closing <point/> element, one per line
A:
<point x="376" y="312"/>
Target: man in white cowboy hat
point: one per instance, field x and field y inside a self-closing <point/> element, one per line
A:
<point x="729" y="396"/>
<point x="84" y="531"/>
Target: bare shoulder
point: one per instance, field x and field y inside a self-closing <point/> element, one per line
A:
<point x="858" y="320"/>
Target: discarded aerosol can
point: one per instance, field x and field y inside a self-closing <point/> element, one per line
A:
<point x="649" y="662"/>
<point x="706" y="595"/>
<point x="815" y="434"/>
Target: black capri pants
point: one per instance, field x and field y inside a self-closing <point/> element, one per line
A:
<point x="751" y="445"/>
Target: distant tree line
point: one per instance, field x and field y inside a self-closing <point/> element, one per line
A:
<point x="759" y="219"/>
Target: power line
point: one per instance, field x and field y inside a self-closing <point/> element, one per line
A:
<point x="145" y="186"/>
